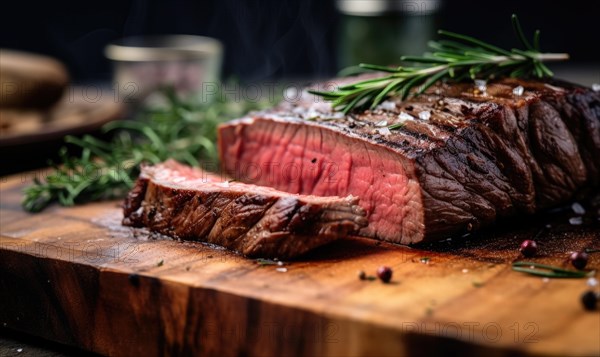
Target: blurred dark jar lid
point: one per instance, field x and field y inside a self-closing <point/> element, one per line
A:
<point x="141" y="65"/>
<point x="380" y="7"/>
<point x="163" y="48"/>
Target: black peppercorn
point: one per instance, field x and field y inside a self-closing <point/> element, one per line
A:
<point x="384" y="274"/>
<point x="579" y="260"/>
<point x="589" y="299"/>
<point x="528" y="248"/>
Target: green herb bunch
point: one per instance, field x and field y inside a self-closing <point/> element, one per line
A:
<point x="456" y="57"/>
<point x="107" y="169"/>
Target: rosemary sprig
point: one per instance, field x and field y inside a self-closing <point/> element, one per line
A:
<point x="547" y="271"/>
<point x="457" y="57"/>
<point x="107" y="169"/>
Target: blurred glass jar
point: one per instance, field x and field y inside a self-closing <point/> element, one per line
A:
<point x="381" y="31"/>
<point x="189" y="64"/>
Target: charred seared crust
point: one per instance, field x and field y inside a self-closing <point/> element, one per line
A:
<point x="133" y="204"/>
<point x="243" y="218"/>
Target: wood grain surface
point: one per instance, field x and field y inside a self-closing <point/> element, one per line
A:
<point x="76" y="276"/>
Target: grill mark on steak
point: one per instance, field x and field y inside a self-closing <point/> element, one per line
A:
<point x="479" y="158"/>
<point x="556" y="151"/>
<point x="190" y="204"/>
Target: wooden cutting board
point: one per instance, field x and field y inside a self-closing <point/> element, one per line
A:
<point x="76" y="276"/>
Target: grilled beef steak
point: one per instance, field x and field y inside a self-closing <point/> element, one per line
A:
<point x="190" y="204"/>
<point x="464" y="157"/>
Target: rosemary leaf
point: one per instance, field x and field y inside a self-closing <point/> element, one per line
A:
<point x="439" y="59"/>
<point x="390" y="87"/>
<point x="379" y="68"/>
<point x="547" y="271"/>
<point x="536" y="40"/>
<point x="396" y="126"/>
<point x="476" y="42"/>
<point x="432" y="80"/>
<point x="519" y="31"/>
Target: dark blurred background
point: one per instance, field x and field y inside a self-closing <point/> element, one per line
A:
<point x="273" y="39"/>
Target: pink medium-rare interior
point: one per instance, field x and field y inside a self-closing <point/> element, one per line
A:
<point x="174" y="175"/>
<point x="307" y="159"/>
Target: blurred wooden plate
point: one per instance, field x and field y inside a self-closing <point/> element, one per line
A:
<point x="73" y="114"/>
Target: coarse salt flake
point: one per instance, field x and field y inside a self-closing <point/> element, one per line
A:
<point x="387" y="105"/>
<point x="481" y="84"/>
<point x="592" y="282"/>
<point x="425" y="115"/>
<point x="282" y="270"/>
<point x="381" y="123"/>
<point x="575" y="221"/>
<point x="404" y="117"/>
<point x="578" y="208"/>
<point x="384" y="131"/>
<point x="518" y="91"/>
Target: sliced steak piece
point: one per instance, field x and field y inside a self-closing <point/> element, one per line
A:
<point x="462" y="159"/>
<point x="190" y="204"/>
